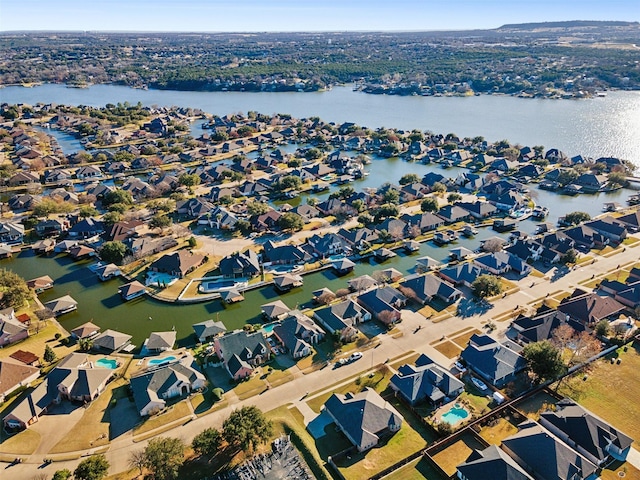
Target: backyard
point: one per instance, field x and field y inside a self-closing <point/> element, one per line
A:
<point x="456" y="453"/>
<point x="419" y="469"/>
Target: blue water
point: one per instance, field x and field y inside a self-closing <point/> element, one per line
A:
<point x="107" y="363"/>
<point x="455" y="415"/>
<point x="161" y="361"/>
<point x="268" y="328"/>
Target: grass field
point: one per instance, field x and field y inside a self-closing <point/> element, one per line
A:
<point x="23" y="443"/>
<point x="176" y="412"/>
<point x="419" y="469"/>
<point x="37" y="342"/>
<point x="250" y="388"/>
<point x="448" y="349"/>
<point x="611" y="391"/>
<point x="456" y="453"/>
<point x="494" y="434"/>
<point x="533" y="405"/>
<point x="463" y="339"/>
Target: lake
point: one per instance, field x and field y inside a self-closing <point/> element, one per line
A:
<point x="598" y="127"/>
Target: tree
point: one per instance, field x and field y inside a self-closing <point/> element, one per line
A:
<point x="429" y="204"/>
<point x="44" y="314"/>
<point x="93" y="468"/>
<point x="49" y="355"/>
<point x="544" y="361"/>
<point x="257" y="208"/>
<point x="63" y="474"/>
<point x="87" y="211"/>
<point x="189" y="180"/>
<point x="602" y="328"/>
<point x="409" y="178"/>
<point x="438" y="187"/>
<point x="453" y="197"/>
<point x="575" y="218"/>
<point x="113" y="252"/>
<point x="85" y="344"/>
<point x="570" y="256"/>
<point x="246" y="428"/>
<point x="618" y="179"/>
<point x="111" y="218"/>
<point x="14" y="290"/>
<point x="493" y="245"/>
<point x="160" y="221"/>
<point x="137" y="459"/>
<point x="164" y="457"/>
<point x="117" y="196"/>
<point x="575" y="347"/>
<point x="391" y="195"/>
<point x="486" y="285"/>
<point x="387" y="210"/>
<point x="291" y="221"/>
<point x="207" y="442"/>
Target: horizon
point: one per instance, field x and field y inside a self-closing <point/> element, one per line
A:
<point x="296" y="16"/>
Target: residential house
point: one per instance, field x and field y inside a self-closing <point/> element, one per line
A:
<point x="362" y="283"/>
<point x="425" y="381"/>
<point x="592" y="182"/>
<point x="194" y="207"/>
<point x="86" y="330"/>
<point x="15" y="374"/>
<point x="341" y="318"/>
<point x="540" y="326"/>
<point x="359" y="238"/>
<point x="533" y="447"/>
<point x="241" y="265"/>
<point x="499" y="263"/>
<point x="284" y="283"/>
<point x="74" y="378"/>
<point x="88" y="172"/>
<point x="383" y="304"/>
<point x="111" y="341"/>
<point x="479" y="209"/>
<point x="275" y="310"/>
<point x="298" y="333"/>
<point x="51" y="227"/>
<point x="453" y="213"/>
<point x="610" y="228"/>
<point x="461" y="274"/>
<point x="241" y="352"/>
<point x="587" y="236"/>
<point x="178" y="264"/>
<point x="160" y="341"/>
<point x="586" y="433"/>
<point x="152" y="389"/>
<point x="494" y="362"/>
<point x="627" y="293"/>
<point x="285" y="254"/>
<point x="493" y="463"/>
<point x="86" y="228"/>
<point x="365" y="418"/>
<point x="120" y="231"/>
<point x="132" y="290"/>
<point x="424" y="288"/>
<point x="61" y="305"/>
<point x="588" y="308"/>
<point x="631" y="221"/>
<point x="206" y="331"/>
<point x="105" y="272"/>
<point x="40" y="284"/>
<point x="76" y="252"/>
<point x="425" y="222"/>
<point x="11" y="233"/>
<point x="327" y="245"/>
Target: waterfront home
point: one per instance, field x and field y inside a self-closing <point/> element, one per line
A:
<point x="426" y="381"/>
<point x="591" y="436"/>
<point x="359" y="238"/>
<point x="6" y="251"/>
<point x="241" y="352"/>
<point x="15" y="374"/>
<point x="111" y="341"/>
<point x="298" y="333"/>
<point x="493" y="361"/>
<point x="61" y="305"/>
<point x="78" y="252"/>
<point x="285" y="254"/>
<point x="65" y="246"/>
<point x="340" y="319"/>
<point x="425" y="222"/>
<point x="383" y="304"/>
<point x="86" y="330"/>
<point x="426" y="263"/>
<point x="23" y="178"/>
<point x="609" y="227"/>
<point x="492" y="462"/>
<point x="543" y="454"/>
<point x="144" y="246"/>
<point x="424" y="288"/>
<point x="160" y="341"/>
<point x="105" y="272"/>
<point x="177" y="264"/>
<point x="631" y="221"/>
<point x="284" y="283"/>
<point x="275" y="310"/>
<point x="591" y="182"/>
<point x="22" y="202"/>
<point x="88" y="172"/>
<point x="86" y="228"/>
<point x="241" y="265"/>
<point x="11" y="233"/>
<point x="74" y="378"/>
<point x="327" y="245"/>
<point x="152" y="389"/>
<point x="132" y="290"/>
<point x="206" y="331"/>
<point x="588" y="308"/>
<point x="342" y="266"/>
<point x="453" y="214"/>
<point x="478" y="209"/>
<point x="362" y="283"/>
<point x="51" y="227"/>
<point x="40" y="284"/>
<point x="499" y="263"/>
<point x="11" y="329"/>
<point x="365" y="418"/>
<point x="43" y="246"/>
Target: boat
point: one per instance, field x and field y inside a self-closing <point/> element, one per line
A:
<point x="442" y="238"/>
<point x="634" y="199"/>
<point x="468" y="231"/>
<point x="540" y="212"/>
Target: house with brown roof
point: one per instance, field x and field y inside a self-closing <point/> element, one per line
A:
<point x="86" y="330"/>
<point x="40" y="284"/>
<point x="15" y="374"/>
<point x="179" y="263"/>
<point x="28" y="358"/>
<point x="589" y="308"/>
<point x="132" y="290"/>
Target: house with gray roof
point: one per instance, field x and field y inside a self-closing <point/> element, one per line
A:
<point x="427" y="287"/>
<point x="206" y="331"/>
<point x="341" y="318"/>
<point x="493" y="361"/>
<point x="240" y="265"/>
<point x="11" y="330"/>
<point x="152" y="389"/>
<point x="111" y="341"/>
<point x="426" y="381"/>
<point x="241" y="352"/>
<point x="383" y="304"/>
<point x="493" y="463"/>
<point x="11" y="233"/>
<point x="365" y="418"/>
<point x="545" y="456"/>
<point x="298" y="333"/>
<point x="275" y="310"/>
<point x="588" y="434"/>
<point x="161" y="341"/>
<point x="461" y="274"/>
<point x="62" y="305"/>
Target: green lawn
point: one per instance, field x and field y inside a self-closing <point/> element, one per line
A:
<point x="249" y="388"/>
<point x="174" y="413"/>
<point x="23" y="443"/>
<point x="611" y="391"/>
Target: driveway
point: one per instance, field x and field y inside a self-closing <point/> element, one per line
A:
<point x="55" y="425"/>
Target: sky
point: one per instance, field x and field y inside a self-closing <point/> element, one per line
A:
<point x="300" y="15"/>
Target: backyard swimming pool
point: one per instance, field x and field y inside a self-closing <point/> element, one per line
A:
<point x="160" y="361"/>
<point x="455" y="414"/>
<point x="160" y="279"/>
<point x="220" y="285"/>
<point x="107" y="363"/>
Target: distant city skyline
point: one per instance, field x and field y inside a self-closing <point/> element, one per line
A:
<point x="300" y="15"/>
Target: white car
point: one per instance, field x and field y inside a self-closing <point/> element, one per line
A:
<point x="461" y="368"/>
<point x="355" y="356"/>
<point x="479" y="383"/>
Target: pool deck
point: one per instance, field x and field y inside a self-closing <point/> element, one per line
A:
<point x="448" y="406"/>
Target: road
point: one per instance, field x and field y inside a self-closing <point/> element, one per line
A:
<point x="389" y="347"/>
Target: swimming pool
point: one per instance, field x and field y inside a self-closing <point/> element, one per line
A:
<point x="160" y="279"/>
<point x="161" y="361"/>
<point x="455" y="414"/>
<point x="268" y="328"/>
<point x="220" y="285"/>
<point x="107" y="363"/>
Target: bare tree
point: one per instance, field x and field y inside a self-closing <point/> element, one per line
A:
<point x="138" y="459"/>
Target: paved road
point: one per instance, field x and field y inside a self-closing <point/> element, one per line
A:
<point x="295" y="391"/>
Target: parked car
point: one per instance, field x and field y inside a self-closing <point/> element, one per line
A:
<point x="355" y="356"/>
<point x="461" y="368"/>
<point x="479" y="383"/>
